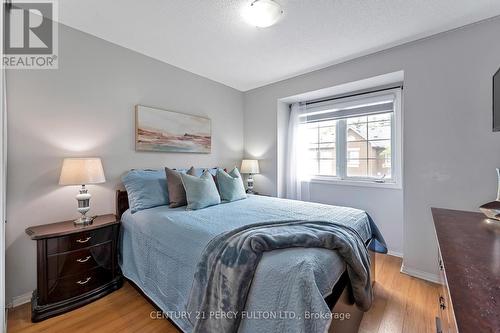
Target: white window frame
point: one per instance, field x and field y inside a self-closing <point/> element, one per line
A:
<point x="396" y="148"/>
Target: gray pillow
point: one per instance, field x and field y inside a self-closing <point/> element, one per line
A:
<point x="231" y="186"/>
<point x="176" y="192"/>
<point x="200" y="192"/>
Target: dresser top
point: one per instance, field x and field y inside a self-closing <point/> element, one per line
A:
<point x="470" y="250"/>
<point x="68" y="227"/>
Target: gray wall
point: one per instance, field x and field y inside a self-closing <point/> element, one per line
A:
<point x="86" y="108"/>
<point x="450" y="151"/>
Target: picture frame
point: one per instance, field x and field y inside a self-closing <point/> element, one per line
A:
<point x="159" y="130"/>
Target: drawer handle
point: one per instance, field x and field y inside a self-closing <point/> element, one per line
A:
<point x="442" y="303"/>
<point x="83" y="240"/>
<point x="83" y="259"/>
<point x="84" y="282"/>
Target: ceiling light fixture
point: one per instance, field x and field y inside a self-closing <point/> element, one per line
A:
<point x="262" y="13"/>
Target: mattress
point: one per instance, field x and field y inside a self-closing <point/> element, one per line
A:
<point x="160" y="248"/>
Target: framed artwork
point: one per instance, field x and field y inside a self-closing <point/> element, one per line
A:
<point x="496" y="101"/>
<point x="171" y="132"/>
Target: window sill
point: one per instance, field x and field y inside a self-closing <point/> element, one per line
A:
<point x="351" y="182"/>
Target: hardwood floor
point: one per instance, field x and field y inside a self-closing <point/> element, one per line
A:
<point x="402" y="304"/>
<point x="124" y="310"/>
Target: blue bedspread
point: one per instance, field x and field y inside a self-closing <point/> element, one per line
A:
<point x="161" y="247"/>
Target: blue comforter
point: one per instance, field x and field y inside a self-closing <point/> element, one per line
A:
<point x="161" y="247"/>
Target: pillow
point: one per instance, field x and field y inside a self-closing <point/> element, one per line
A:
<point x="200" y="192"/>
<point x="213" y="172"/>
<point x="199" y="171"/>
<point x="231" y="186"/>
<point x="177" y="194"/>
<point x="145" y="189"/>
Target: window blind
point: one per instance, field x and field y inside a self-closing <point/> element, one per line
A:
<point x="362" y="105"/>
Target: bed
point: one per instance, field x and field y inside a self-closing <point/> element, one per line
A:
<point x="160" y="247"/>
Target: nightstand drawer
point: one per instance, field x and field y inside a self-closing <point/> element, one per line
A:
<point x="75" y="285"/>
<point x="79" y="240"/>
<point x="74" y="262"/>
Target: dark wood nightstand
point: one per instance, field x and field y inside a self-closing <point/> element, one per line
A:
<point x="75" y="265"/>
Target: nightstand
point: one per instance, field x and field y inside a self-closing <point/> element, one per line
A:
<point x="75" y="265"/>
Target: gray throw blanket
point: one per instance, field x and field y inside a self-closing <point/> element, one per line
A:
<point x="226" y="270"/>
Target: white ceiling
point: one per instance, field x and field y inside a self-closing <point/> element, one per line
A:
<point x="209" y="37"/>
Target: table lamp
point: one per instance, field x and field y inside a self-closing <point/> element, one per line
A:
<point x="250" y="167"/>
<point x="82" y="171"/>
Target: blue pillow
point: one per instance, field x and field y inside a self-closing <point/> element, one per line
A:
<point x="199" y="171"/>
<point x="231" y="186"/>
<point x="145" y="189"/>
<point x="201" y="191"/>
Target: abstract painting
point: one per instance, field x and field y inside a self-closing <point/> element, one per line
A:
<point x="172" y="132"/>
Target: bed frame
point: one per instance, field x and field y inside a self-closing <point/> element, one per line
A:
<point x="339" y="301"/>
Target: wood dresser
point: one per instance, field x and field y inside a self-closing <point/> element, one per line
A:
<point x="469" y="248"/>
<point x="75" y="265"/>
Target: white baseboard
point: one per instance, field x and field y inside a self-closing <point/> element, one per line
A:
<point x="395" y="254"/>
<point x="20" y="300"/>
<point x="420" y="274"/>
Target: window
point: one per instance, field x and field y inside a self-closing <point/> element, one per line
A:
<point x="322" y="147"/>
<point x="354" y="138"/>
<point x="353" y="157"/>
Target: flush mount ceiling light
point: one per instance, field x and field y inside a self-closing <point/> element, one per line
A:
<point x="262" y="13"/>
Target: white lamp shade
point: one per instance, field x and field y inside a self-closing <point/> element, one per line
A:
<point x="250" y="166"/>
<point x="82" y="171"/>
